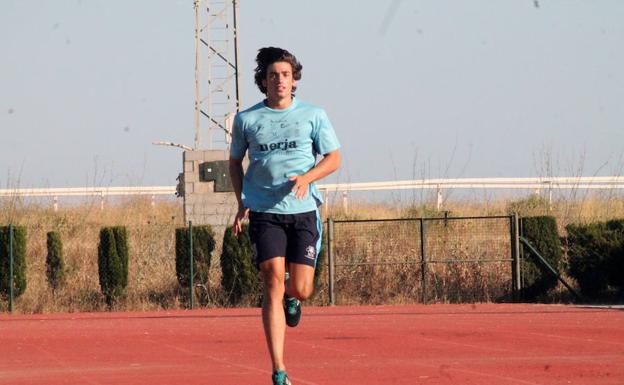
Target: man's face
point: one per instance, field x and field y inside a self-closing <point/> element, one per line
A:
<point x="279" y="80"/>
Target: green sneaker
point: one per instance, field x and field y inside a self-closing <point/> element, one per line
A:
<point x="292" y="310"/>
<point x="280" y="377"/>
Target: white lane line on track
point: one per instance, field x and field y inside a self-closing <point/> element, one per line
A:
<point x="65" y="365"/>
<point x="226" y="362"/>
<point x="577" y="339"/>
<point x="438" y="367"/>
<point x="64" y="370"/>
<point x="503" y="378"/>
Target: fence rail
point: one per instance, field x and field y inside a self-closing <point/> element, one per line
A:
<point x="87" y="191"/>
<point x="536" y="184"/>
<point x="101" y="192"/>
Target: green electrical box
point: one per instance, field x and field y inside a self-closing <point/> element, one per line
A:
<point x="218" y="172"/>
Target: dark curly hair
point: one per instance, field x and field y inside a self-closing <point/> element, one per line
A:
<point x="269" y="55"/>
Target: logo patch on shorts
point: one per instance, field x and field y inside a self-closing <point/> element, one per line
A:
<point x="310" y="252"/>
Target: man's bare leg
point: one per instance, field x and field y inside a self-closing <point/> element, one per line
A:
<point x="300" y="283"/>
<point x="273" y="318"/>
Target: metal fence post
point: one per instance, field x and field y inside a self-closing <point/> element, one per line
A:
<point x="423" y="258"/>
<point x="330" y="260"/>
<point x="519" y="253"/>
<point x="515" y="256"/>
<point x="192" y="273"/>
<point x="10" y="268"/>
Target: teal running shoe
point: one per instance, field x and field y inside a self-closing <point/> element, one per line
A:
<point x="292" y="310"/>
<point x="280" y="377"/>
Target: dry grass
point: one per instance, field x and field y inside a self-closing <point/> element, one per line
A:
<point x="152" y="282"/>
<point x="153" y="285"/>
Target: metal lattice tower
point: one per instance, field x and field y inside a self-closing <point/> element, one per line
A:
<point x="217" y="97"/>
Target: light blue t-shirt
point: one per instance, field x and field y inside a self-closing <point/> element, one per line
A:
<point x="281" y="144"/>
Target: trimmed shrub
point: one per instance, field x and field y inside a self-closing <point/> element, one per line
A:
<point x="19" y="261"/>
<point x="55" y="264"/>
<point x="240" y="278"/>
<point x="113" y="262"/>
<point x="203" y="246"/>
<point x="596" y="253"/>
<point x="615" y="259"/>
<point x="321" y="263"/>
<point x="541" y="232"/>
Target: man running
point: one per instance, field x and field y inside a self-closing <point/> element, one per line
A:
<point x="282" y="137"/>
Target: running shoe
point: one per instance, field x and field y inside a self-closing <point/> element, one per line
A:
<point x="292" y="310"/>
<point x="280" y="377"/>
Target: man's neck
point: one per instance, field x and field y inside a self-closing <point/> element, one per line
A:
<point x="278" y="104"/>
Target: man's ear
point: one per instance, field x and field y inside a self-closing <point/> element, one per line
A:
<point x="264" y="83"/>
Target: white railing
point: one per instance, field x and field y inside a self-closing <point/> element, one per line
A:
<point x="535" y="184"/>
<point x="602" y="182"/>
<point x="88" y="191"/>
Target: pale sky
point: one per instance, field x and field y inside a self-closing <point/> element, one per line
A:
<point x="414" y="89"/>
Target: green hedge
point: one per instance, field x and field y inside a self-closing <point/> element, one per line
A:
<point x="321" y="264"/>
<point x="19" y="261"/>
<point x="240" y="279"/>
<point x="55" y="264"/>
<point x="203" y="246"/>
<point x="541" y="232"/>
<point x="596" y="257"/>
<point x="615" y="262"/>
<point x="113" y="262"/>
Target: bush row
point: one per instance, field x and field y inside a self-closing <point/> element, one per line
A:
<point x="595" y="260"/>
<point x="240" y="279"/>
<point x="595" y="257"/>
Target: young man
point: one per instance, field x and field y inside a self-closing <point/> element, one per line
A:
<point x="282" y="136"/>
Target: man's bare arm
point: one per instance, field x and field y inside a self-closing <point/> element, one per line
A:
<point x="327" y="165"/>
<point x="236" y="175"/>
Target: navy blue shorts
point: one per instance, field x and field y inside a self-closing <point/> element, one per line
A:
<point x="294" y="236"/>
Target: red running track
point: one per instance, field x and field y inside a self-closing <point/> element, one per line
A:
<point x="422" y="344"/>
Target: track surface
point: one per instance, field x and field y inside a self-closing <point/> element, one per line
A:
<point x="422" y="344"/>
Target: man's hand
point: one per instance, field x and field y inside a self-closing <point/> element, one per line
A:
<point x="327" y="165"/>
<point x="301" y="186"/>
<point x="242" y="213"/>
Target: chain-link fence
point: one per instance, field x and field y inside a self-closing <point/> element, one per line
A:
<point x="467" y="259"/>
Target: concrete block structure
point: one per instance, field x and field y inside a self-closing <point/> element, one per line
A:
<point x="203" y="203"/>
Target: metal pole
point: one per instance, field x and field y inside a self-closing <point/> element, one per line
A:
<point x="516" y="256"/>
<point x="423" y="257"/>
<point x="512" y="249"/>
<point x="11" y="268"/>
<point x="192" y="273"/>
<point x="197" y="75"/>
<point x="549" y="267"/>
<point x="512" y="245"/>
<point x="330" y="260"/>
<point x="235" y="14"/>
